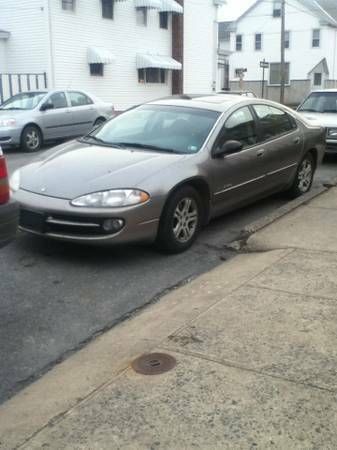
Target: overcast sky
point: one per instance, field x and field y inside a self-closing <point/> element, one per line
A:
<point x="234" y="8"/>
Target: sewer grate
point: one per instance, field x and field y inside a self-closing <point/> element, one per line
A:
<point x="153" y="364"/>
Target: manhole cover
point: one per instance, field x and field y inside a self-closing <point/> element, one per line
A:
<point x="153" y="364"/>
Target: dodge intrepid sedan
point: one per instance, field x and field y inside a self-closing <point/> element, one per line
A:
<point x="161" y="171"/>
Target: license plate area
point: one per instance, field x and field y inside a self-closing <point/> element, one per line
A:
<point x="32" y="220"/>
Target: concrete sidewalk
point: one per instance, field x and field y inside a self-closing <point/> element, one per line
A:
<point x="256" y="347"/>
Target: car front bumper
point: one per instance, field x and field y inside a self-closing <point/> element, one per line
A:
<point x="58" y="219"/>
<point x="9" y="216"/>
<point x="10" y="137"/>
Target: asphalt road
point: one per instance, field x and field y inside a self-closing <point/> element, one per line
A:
<point x="55" y="297"/>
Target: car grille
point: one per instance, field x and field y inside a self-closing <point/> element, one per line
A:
<point x="55" y="224"/>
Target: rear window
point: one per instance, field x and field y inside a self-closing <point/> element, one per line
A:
<point x="320" y="102"/>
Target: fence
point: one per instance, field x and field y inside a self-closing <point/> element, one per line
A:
<point x="14" y="83"/>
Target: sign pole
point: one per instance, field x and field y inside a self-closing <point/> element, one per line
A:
<point x="263" y="69"/>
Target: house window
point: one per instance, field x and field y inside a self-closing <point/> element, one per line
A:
<point x="163" y="20"/>
<point x="317" y="79"/>
<point x="96" y="70"/>
<point x="275" y="74"/>
<point x="277" y="8"/>
<point x="152" y="75"/>
<point x="316" y="38"/>
<point x="238" y="43"/>
<point x="287" y="39"/>
<point x="68" y="5"/>
<point x="108" y="9"/>
<point x="258" y="41"/>
<point x="141" y="16"/>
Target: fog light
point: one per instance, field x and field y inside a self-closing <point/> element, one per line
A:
<point x="113" y="225"/>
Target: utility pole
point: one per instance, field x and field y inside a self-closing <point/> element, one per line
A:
<point x="283" y="74"/>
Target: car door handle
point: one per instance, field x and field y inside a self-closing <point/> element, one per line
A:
<point x="297" y="140"/>
<point x="260" y="153"/>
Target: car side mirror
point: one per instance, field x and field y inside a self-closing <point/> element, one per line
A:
<point x="46" y="106"/>
<point x="228" y="148"/>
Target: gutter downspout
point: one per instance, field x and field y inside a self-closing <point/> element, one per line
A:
<point x="334" y="59"/>
<point x="51" y="47"/>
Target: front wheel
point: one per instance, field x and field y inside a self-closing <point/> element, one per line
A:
<point x="304" y="177"/>
<point x="31" y="139"/>
<point x="180" y="222"/>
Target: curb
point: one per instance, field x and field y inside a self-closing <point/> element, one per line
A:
<point x="240" y="243"/>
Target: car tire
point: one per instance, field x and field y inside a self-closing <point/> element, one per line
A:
<point x="180" y="222"/>
<point x="99" y="122"/>
<point x="31" y="139"/>
<point x="304" y="177"/>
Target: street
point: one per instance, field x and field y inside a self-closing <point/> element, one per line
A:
<point x="56" y="297"/>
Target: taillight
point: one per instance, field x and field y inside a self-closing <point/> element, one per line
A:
<point x="4" y="186"/>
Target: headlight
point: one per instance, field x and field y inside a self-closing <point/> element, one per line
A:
<point x="8" y="123"/>
<point x="14" y="181"/>
<point x="115" y="198"/>
<point x="332" y="133"/>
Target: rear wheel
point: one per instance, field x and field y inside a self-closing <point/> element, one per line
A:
<point x="180" y="222"/>
<point x="31" y="139"/>
<point x="304" y="177"/>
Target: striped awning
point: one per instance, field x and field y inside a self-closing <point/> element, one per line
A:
<point x="100" y="55"/>
<point x="150" y="4"/>
<point x="171" y="6"/>
<point x="147" y="60"/>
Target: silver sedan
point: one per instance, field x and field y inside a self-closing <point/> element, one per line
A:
<point x="31" y="118"/>
<point x="161" y="171"/>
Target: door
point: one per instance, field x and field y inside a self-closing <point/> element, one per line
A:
<point x="282" y="143"/>
<point x="83" y="112"/>
<point x="236" y="178"/>
<point x="56" y="120"/>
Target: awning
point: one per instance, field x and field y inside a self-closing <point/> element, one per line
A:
<point x="150" y="4"/>
<point x="100" y="55"/>
<point x="171" y="6"/>
<point x="147" y="60"/>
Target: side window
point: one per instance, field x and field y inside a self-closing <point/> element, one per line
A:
<point x="58" y="100"/>
<point x="79" y="99"/>
<point x="273" y="122"/>
<point x="240" y="126"/>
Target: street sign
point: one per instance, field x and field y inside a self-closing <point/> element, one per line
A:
<point x="264" y="65"/>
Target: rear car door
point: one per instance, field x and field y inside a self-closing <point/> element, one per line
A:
<point x="56" y="121"/>
<point x="83" y="112"/>
<point x="282" y="144"/>
<point x="235" y="178"/>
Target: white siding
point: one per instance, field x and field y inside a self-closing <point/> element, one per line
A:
<point x="200" y="46"/>
<point x="74" y="32"/>
<point x="27" y="47"/>
<point x="3" y="56"/>
<point x="301" y="56"/>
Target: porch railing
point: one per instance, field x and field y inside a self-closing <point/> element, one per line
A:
<point x="14" y="83"/>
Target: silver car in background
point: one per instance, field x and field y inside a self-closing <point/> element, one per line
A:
<point x="29" y="119"/>
<point x="321" y="108"/>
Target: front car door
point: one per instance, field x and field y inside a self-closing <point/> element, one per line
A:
<point x="56" y="121"/>
<point x="83" y="112"/>
<point x="282" y="142"/>
<point x="236" y="178"/>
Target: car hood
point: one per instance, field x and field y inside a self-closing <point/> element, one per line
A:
<point x="327" y="120"/>
<point x="11" y="113"/>
<point x="76" y="169"/>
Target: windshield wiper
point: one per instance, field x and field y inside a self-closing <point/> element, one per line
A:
<point x="309" y="110"/>
<point x="146" y="147"/>
<point x="100" y="141"/>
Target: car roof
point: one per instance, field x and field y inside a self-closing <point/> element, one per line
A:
<point x="324" y="90"/>
<point x="220" y="103"/>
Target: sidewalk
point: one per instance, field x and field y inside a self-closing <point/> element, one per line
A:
<point x="256" y="347"/>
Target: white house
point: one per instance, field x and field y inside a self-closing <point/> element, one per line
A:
<point x="310" y="41"/>
<point x="124" y="51"/>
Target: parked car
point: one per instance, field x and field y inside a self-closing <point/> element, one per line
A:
<point x="321" y="106"/>
<point x="31" y="118"/>
<point x="244" y="93"/>
<point x="9" y="211"/>
<point x="161" y="171"/>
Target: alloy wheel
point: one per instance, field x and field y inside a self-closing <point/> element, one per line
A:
<point x="185" y="220"/>
<point x="32" y="139"/>
<point x="305" y="174"/>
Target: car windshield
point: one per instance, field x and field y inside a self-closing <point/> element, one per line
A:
<point x="25" y="101"/>
<point x="320" y="102"/>
<point x="157" y="127"/>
